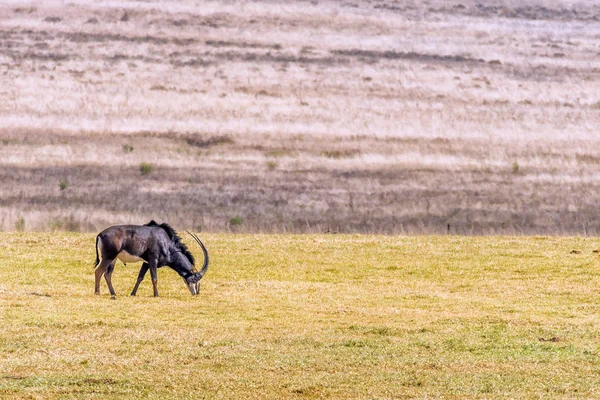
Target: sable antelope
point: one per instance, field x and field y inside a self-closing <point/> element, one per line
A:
<point x="156" y="245"/>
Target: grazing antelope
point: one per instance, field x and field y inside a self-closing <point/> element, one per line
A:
<point x="156" y="245"/>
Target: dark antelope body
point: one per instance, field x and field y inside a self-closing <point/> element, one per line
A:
<point x="156" y="245"/>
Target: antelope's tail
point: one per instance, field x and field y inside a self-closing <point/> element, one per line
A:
<point x="97" y="258"/>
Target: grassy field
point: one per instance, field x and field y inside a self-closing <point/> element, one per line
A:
<point x="370" y="116"/>
<point x="307" y="316"/>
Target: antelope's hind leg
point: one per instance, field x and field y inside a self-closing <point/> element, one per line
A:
<point x="101" y="270"/>
<point x="108" y="277"/>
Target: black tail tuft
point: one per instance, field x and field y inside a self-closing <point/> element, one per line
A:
<point x="97" y="258"/>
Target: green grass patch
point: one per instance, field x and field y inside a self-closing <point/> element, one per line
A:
<point x="146" y="168"/>
<point x="306" y="316"/>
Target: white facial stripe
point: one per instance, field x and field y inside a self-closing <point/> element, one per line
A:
<point x="192" y="288"/>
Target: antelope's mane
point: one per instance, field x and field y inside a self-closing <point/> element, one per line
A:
<point x="175" y="239"/>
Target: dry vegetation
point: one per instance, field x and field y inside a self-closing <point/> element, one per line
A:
<point x="367" y="116"/>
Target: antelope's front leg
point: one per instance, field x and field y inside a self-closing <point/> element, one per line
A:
<point x="153" y="267"/>
<point x="140" y="278"/>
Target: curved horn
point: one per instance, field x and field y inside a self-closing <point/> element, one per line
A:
<point x="199" y="275"/>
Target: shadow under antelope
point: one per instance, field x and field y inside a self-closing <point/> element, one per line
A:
<point x="156" y="245"/>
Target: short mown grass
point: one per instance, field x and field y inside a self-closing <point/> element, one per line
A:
<point x="306" y="316"/>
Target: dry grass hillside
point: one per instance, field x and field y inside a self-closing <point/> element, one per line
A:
<point x="341" y="116"/>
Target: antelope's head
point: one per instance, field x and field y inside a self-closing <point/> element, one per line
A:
<point x="186" y="268"/>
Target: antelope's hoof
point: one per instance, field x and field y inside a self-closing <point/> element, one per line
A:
<point x="113" y="297"/>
